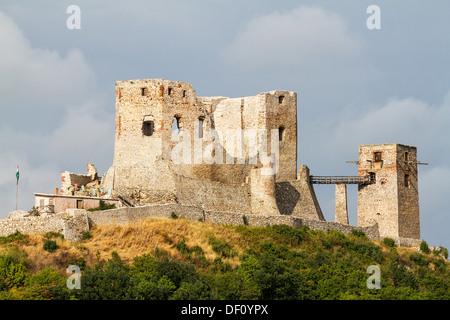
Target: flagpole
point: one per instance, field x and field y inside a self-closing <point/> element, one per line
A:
<point x="17" y="192"/>
<point x="17" y="186"/>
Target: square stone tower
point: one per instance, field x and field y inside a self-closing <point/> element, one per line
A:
<point x="392" y="201"/>
<point x="157" y="119"/>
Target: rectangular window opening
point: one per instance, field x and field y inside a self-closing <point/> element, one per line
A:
<point x="281" y="133"/>
<point x="143" y="91"/>
<point x="280" y="99"/>
<point x="407" y="180"/>
<point x="378" y="157"/>
<point x="148" y="128"/>
<point x="79" y="204"/>
<point x="169" y="91"/>
<point x="200" y="127"/>
<point x="183" y="93"/>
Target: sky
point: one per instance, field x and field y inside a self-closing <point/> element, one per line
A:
<point x="355" y="85"/>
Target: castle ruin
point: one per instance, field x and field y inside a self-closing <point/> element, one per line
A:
<point x="238" y="156"/>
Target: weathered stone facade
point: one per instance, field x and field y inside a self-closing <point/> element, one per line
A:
<point x="71" y="224"/>
<point x="212" y="172"/>
<point x="392" y="201"/>
<point x="341" y="211"/>
<point x="219" y="159"/>
<point x="69" y="180"/>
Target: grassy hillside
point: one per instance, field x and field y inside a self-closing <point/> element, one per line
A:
<point x="178" y="259"/>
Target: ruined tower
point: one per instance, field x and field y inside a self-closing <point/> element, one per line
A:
<point x="158" y="119"/>
<point x="392" y="201"/>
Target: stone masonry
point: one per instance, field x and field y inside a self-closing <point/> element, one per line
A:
<point x="219" y="159"/>
<point x="392" y="201"/>
<point x="219" y="168"/>
<point x="341" y="213"/>
<point x="71" y="224"/>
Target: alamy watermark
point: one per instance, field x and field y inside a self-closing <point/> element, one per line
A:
<point x="234" y="146"/>
<point x="374" y="20"/>
<point x="74" y="281"/>
<point x="73" y="22"/>
<point x="374" y="281"/>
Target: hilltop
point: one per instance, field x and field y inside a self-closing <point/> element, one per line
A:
<point x="180" y="259"/>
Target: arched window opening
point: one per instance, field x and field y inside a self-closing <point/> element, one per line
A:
<point x="148" y="126"/>
<point x="176" y="125"/>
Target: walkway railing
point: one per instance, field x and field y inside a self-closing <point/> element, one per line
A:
<point x="341" y="179"/>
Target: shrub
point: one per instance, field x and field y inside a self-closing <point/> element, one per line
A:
<point x="108" y="280"/>
<point x="192" y="291"/>
<point x="389" y="242"/>
<point x="173" y="215"/>
<point x="197" y="250"/>
<point x="219" y="266"/>
<point x="78" y="261"/>
<point x="245" y="220"/>
<point x="86" y="235"/>
<point x="424" y="247"/>
<point x="176" y="272"/>
<point x="16" y="236"/>
<point x="182" y="247"/>
<point x="12" y="270"/>
<point x="287" y="234"/>
<point x="326" y="244"/>
<point x="444" y="251"/>
<point x="45" y="277"/>
<point x="400" y="276"/>
<point x="359" y="233"/>
<point x="335" y="237"/>
<point x="102" y="205"/>
<point x="15" y="275"/>
<point x="418" y="259"/>
<point x="50" y="245"/>
<point x="222" y="248"/>
<point x="370" y="250"/>
<point x="440" y="265"/>
<point x="52" y="235"/>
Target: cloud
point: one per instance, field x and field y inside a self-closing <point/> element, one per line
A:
<point x="82" y="136"/>
<point x="305" y="36"/>
<point x="38" y="80"/>
<point x="52" y="118"/>
<point x="434" y="185"/>
<point x="407" y="121"/>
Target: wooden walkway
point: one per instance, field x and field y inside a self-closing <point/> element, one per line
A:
<point x="341" y="179"/>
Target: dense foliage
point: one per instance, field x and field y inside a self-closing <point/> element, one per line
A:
<point x="278" y="262"/>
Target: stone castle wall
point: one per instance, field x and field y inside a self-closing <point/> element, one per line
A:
<point x="74" y="222"/>
<point x="69" y="179"/>
<point x="71" y="223"/>
<point x="211" y="171"/>
<point x="130" y="215"/>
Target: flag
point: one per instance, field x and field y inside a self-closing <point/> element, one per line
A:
<point x="17" y="174"/>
